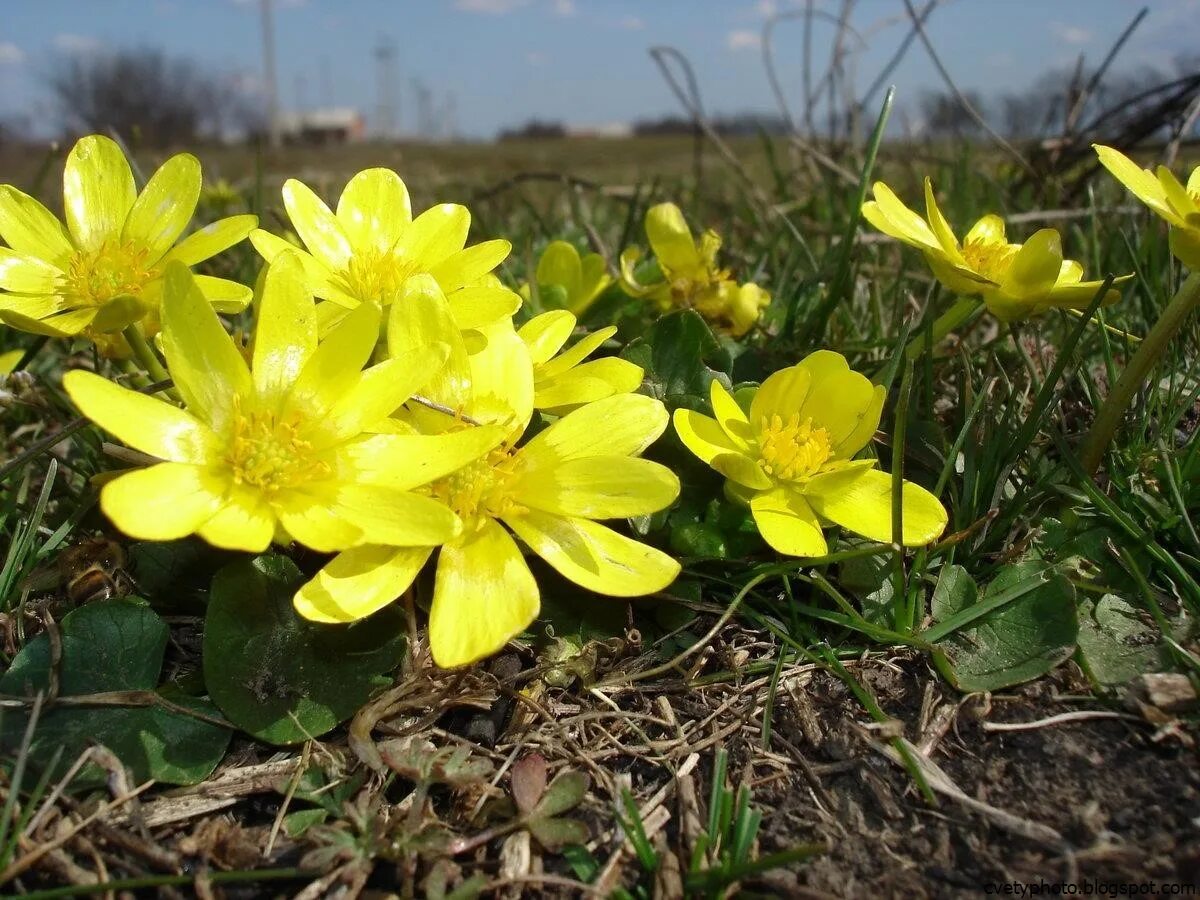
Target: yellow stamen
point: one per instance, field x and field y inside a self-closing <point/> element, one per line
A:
<point x="480" y="490"/>
<point x="372" y="275"/>
<point x="792" y="450"/>
<point x="112" y="270"/>
<point x="990" y="259"/>
<point x="270" y="453"/>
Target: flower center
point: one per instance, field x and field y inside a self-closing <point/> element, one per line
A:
<point x="990" y="259"/>
<point x="377" y="276"/>
<point x="480" y="490"/>
<point x="792" y="450"/>
<point x="270" y="453"/>
<point x="93" y="277"/>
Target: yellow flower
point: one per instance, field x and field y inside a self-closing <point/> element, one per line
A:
<point x="573" y="282"/>
<point x="1015" y="280"/>
<point x="372" y="245"/>
<point x="282" y="448"/>
<point x="549" y="492"/>
<point x="9" y="360"/>
<point x="691" y="277"/>
<point x="563" y="382"/>
<point x="104" y="270"/>
<point x="791" y="460"/>
<point x="1162" y="192"/>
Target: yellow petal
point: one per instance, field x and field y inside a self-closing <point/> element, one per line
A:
<point x="381" y="391"/>
<point x="892" y="217"/>
<point x="30" y="228"/>
<point x="143" y="422"/>
<point x="1077" y="295"/>
<point x="246" y="522"/>
<point x="420" y="317"/>
<point x="787" y="523"/>
<point x="358" y="582"/>
<point x="478" y="307"/>
<point x="729" y="415"/>
<point x="321" y="278"/>
<point x="310" y="518"/>
<point x="66" y="324"/>
<point x="164" y="502"/>
<point x="388" y="516"/>
<point x="23" y="274"/>
<point x="1185" y="244"/>
<point x="1141" y="183"/>
<point x="544" y="335"/>
<point x="285" y="337"/>
<point x="864" y="506"/>
<point x="1035" y="268"/>
<point x="560" y="264"/>
<point x="671" y="239"/>
<point x="988" y="230"/>
<point x="781" y="394"/>
<point x="502" y="379"/>
<point x="435" y="234"/>
<point x="1176" y="194"/>
<point x="621" y="425"/>
<point x="599" y="487"/>
<point x="98" y="191"/>
<point x="335" y="367"/>
<point x="165" y="206"/>
<point x="9" y="360"/>
<point x="374" y="209"/>
<point x="621" y="375"/>
<point x="845" y="403"/>
<point x="864" y="428"/>
<point x="937" y="222"/>
<point x="467" y="266"/>
<point x="406" y="461"/>
<point x="594" y="556"/>
<point x="317" y="226"/>
<point x="484" y="595"/>
<point x="703" y="435"/>
<point x="207" y="368"/>
<point x="565" y="393"/>
<point x="212" y="239"/>
<point x="578" y="352"/>
<point x="629" y="283"/>
<point x="224" y="295"/>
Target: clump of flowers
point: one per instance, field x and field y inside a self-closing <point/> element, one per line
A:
<point x="105" y="269"/>
<point x="790" y="458"/>
<point x="691" y="277"/>
<point x="1177" y="205"/>
<point x="1015" y="281"/>
<point x="567" y="280"/>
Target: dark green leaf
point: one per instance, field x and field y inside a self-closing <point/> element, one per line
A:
<point x="553" y="834"/>
<point x="1115" y="642"/>
<point x="565" y="792"/>
<point x="681" y="357"/>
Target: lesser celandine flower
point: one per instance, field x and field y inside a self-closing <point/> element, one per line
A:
<point x="1160" y="190"/>
<point x="281" y="448"/>
<point x="549" y="492"/>
<point x="690" y="275"/>
<point x="104" y="270"/>
<point x="368" y="248"/>
<point x="1015" y="280"/>
<point x="568" y="280"/>
<point x="563" y="381"/>
<point x="791" y="459"/>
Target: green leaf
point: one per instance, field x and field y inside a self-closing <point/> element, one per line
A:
<point x="1027" y="627"/>
<point x="295" y="824"/>
<point x="565" y="792"/>
<point x="553" y="834"/>
<point x="114" y="645"/>
<point x="676" y="353"/>
<point x="282" y="678"/>
<point x="955" y="591"/>
<point x="1115" y="643"/>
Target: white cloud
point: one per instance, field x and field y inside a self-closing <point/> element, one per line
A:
<point x="489" y="7"/>
<point x="1071" y="34"/>
<point x="75" y="43"/>
<point x="766" y="8"/>
<point x="632" y="23"/>
<point x="741" y="39"/>
<point x="564" y="8"/>
<point x="11" y="54"/>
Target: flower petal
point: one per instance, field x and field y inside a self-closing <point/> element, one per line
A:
<point x="434" y="235"/>
<point x="335" y="367"/>
<point x="787" y="523"/>
<point x="224" y="295"/>
<point x="469" y="264"/>
<point x="317" y="226"/>
<point x="545" y="334"/>
<point x="782" y="394"/>
<point x="729" y="415"/>
<point x="246" y="522"/>
<point x="143" y="422"/>
<point x="671" y="239"/>
<point x="704" y="436"/>
<point x="207" y="368"/>
<point x="406" y="461"/>
<point x="374" y="210"/>
<point x="165" y="206"/>
<point x="937" y="222"/>
<point x="621" y="425"/>
<point x="864" y="506"/>
<point x="24" y="274"/>
<point x="1141" y="183"/>
<point x="598" y="487"/>
<point x="30" y="228"/>
<point x="420" y="317"/>
<point x="358" y="582"/>
<point x="477" y="307"/>
<point x="381" y="390"/>
<point x="309" y="517"/>
<point x="213" y="238"/>
<point x="502" y="379"/>
<point x="988" y="230"/>
<point x="889" y="214"/>
<point x="483" y="596"/>
<point x="163" y="502"/>
<point x="577" y="353"/>
<point x="285" y="337"/>
<point x="1035" y="268"/>
<point x="560" y="264"/>
<point x="389" y="516"/>
<point x="98" y="191"/>
<point x="594" y="556"/>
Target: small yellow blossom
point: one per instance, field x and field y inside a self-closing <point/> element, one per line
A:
<point x="104" y="270"/>
<point x="1160" y="190"/>
<point x="549" y="492"/>
<point x="368" y="249"/>
<point x="283" y="448"/>
<point x="565" y="381"/>
<point x="791" y="460"/>
<point x="691" y="277"/>
<point x="1015" y="280"/>
<point x="567" y="280"/>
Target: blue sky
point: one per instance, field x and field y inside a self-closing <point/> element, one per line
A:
<point x="580" y="61"/>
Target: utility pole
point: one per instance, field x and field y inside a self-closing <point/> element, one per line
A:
<point x="268" y="39"/>
<point x="385" y="72"/>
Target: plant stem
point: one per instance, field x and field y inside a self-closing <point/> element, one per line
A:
<point x="962" y="310"/>
<point x="145" y="353"/>
<point x="1108" y="419"/>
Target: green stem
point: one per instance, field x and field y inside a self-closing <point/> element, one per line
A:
<point x="145" y="355"/>
<point x="962" y="310"/>
<point x="1112" y="411"/>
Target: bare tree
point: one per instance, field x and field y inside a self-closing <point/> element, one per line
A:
<point x="945" y="116"/>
